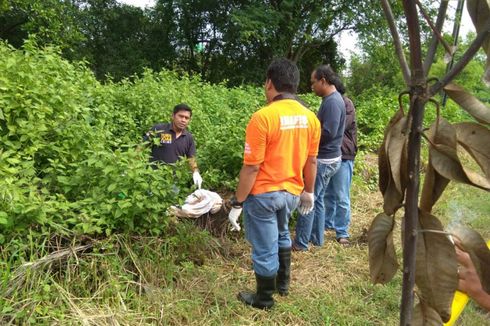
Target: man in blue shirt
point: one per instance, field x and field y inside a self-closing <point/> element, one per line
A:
<point x="310" y="225"/>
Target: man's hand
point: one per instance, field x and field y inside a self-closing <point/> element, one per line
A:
<point x="233" y="218"/>
<point x="306" y="202"/>
<point x="197" y="179"/>
<point x="469" y="281"/>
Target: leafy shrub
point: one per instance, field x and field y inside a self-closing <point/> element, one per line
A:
<point x="70" y="156"/>
<point x="374" y="108"/>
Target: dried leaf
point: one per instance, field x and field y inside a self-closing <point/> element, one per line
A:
<point x="468" y="102"/>
<point x="474" y="244"/>
<point x="444" y="157"/>
<point x="383" y="169"/>
<point x="445" y="161"/>
<point x="382" y="257"/>
<point x="474" y="176"/>
<point x="442" y="132"/>
<point x="475" y="138"/>
<point x="434" y="185"/>
<point x="393" y="199"/>
<point x="479" y="11"/>
<point x="424" y="315"/>
<point x="436" y="267"/>
<point x="396" y="140"/>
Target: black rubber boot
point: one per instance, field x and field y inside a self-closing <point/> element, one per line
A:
<point x="284" y="272"/>
<point x="262" y="299"/>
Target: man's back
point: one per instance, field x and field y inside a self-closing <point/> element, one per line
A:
<point x="332" y="118"/>
<point x="280" y="137"/>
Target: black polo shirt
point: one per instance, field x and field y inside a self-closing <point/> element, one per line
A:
<point x="169" y="148"/>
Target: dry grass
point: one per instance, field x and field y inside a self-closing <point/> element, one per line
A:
<point x="134" y="286"/>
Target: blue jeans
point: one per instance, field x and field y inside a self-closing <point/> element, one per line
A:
<point x="310" y="227"/>
<point x="266" y="221"/>
<point x="337" y="200"/>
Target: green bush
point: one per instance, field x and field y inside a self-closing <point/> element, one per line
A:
<point x="70" y="157"/>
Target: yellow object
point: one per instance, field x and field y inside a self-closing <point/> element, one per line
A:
<point x="459" y="303"/>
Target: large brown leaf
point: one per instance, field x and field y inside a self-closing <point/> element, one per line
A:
<point x="474" y="244"/>
<point x="424" y="315"/>
<point x="475" y="138"/>
<point x="434" y="185"/>
<point x="441" y="132"/>
<point x="474" y="176"/>
<point x="471" y="104"/>
<point x="383" y="169"/>
<point x="393" y="198"/>
<point x="479" y="11"/>
<point x="445" y="161"/>
<point x="382" y="256"/>
<point x="383" y="164"/>
<point x="436" y="267"/>
<point x="396" y="140"/>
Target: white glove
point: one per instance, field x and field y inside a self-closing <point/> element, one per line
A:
<point x="306" y="202"/>
<point x="197" y="179"/>
<point x="233" y="218"/>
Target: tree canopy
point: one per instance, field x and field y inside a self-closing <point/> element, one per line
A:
<point x="230" y="40"/>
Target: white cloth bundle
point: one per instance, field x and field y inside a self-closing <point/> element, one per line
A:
<point x="198" y="203"/>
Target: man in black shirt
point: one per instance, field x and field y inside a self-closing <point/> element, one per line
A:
<point x="171" y="141"/>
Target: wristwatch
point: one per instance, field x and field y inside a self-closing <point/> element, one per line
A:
<point x="235" y="203"/>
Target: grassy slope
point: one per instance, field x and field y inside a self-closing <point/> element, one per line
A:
<point x="133" y="282"/>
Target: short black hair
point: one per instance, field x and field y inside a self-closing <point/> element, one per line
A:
<point x="182" y="107"/>
<point x="325" y="71"/>
<point x="284" y="75"/>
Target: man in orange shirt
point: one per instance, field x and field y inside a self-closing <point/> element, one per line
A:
<point x="279" y="170"/>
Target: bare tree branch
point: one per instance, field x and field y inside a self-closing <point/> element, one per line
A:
<point x="417" y="103"/>
<point x="467" y="56"/>
<point x="396" y="39"/>
<point x="429" y="59"/>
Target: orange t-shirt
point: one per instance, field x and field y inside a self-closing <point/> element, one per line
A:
<point x="279" y="138"/>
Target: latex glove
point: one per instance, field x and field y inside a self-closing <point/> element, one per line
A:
<point x="197" y="179"/>
<point x="306" y="202"/>
<point x="233" y="218"/>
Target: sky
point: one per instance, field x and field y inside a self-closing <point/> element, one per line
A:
<point x="349" y="40"/>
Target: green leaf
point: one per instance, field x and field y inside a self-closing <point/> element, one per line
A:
<point x="111" y="187"/>
<point x="3" y="218"/>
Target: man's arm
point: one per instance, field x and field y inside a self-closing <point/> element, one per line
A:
<point x="193" y="163"/>
<point x="309" y="174"/>
<point x="248" y="173"/>
<point x="331" y="119"/>
<point x="469" y="281"/>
